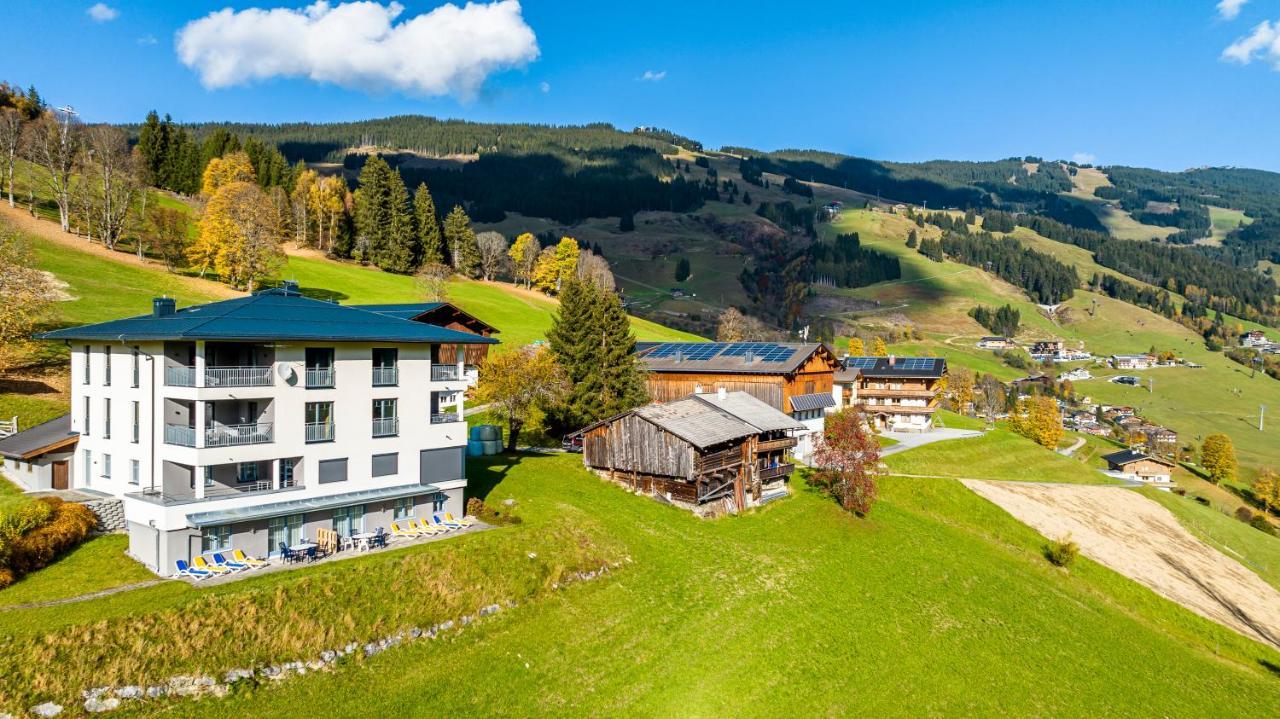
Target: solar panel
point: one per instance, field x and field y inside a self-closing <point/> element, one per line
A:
<point x="861" y="362"/>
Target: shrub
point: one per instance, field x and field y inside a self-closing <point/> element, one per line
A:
<point x="1062" y="553"/>
<point x="1244" y="514"/>
<point x="50" y="527"/>
<point x="477" y="508"/>
<point x="1261" y="524"/>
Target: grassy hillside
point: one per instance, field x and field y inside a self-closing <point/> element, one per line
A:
<point x="1252" y="548"/>
<point x="999" y="454"/>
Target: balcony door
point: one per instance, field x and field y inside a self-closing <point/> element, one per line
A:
<point x="284" y="530"/>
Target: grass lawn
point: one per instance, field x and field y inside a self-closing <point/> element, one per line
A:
<point x="1222" y="221"/>
<point x="939" y="596"/>
<point x="1257" y="551"/>
<point x="999" y="454"/>
<point x="98" y="564"/>
<point x="886" y="441"/>
<point x="951" y="420"/>
<point x="30" y="411"/>
<point x="10" y="495"/>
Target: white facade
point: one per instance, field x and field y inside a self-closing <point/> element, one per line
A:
<point x="182" y="435"/>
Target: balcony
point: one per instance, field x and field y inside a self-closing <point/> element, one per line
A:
<point x="320" y="432"/>
<point x="905" y="392"/>
<point x="770" y="445"/>
<point x="385" y="376"/>
<point x="211" y="494"/>
<point x="319" y="377"/>
<point x="180" y="435"/>
<point x="223" y="435"/>
<point x="240" y="376"/>
<point x="444" y="372"/>
<point x="445" y="417"/>
<point x="782" y="471"/>
<point x="386" y="427"/>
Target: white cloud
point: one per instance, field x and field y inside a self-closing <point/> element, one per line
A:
<point x="101" y="12"/>
<point x="1230" y="9"/>
<point x="359" y="45"/>
<point x="652" y="76"/>
<point x="148" y="39"/>
<point x="1084" y="158"/>
<point x="544" y="86"/>
<point x="1262" y="43"/>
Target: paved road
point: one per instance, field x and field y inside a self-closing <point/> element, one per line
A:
<point x="911" y="440"/>
<point x="1068" y="451"/>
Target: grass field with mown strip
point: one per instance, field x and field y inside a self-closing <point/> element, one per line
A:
<point x="804" y="610"/>
<point x="998" y="454"/>
<point x="1223" y="220"/>
<point x="100" y="563"/>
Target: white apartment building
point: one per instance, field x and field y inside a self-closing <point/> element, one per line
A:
<point x="252" y="422"/>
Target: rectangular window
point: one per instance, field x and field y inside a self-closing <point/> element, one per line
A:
<point x="106" y="418"/>
<point x="135" y="472"/>
<point x="286" y="472"/>
<point x="385" y="423"/>
<point x="215" y="539"/>
<point x="106" y="365"/>
<point x="440" y="465"/>
<point x="106" y="466"/>
<point x="348" y="520"/>
<point x="285" y="531"/>
<point x="384" y="366"/>
<point x="86" y="424"/>
<point x="88" y="467"/>
<point x="136" y="415"/>
<point x="86" y="364"/>
<point x="319" y="367"/>
<point x="385" y="465"/>
<point x="319" y="422"/>
<point x="333" y="470"/>
<point x="247" y="473"/>
<point x="137" y="371"/>
<point x="437" y="502"/>
<point x="403" y="508"/>
<point x="208" y="477"/>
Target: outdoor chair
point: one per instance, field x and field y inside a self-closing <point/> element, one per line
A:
<point x="466" y="521"/>
<point x="202" y="563"/>
<point x="288" y="555"/>
<point x="222" y="561"/>
<point x="422" y="526"/>
<point x="404" y="530"/>
<point x="243" y="558"/>
<point x="186" y="570"/>
<point x="379" y="538"/>
<point x="440" y="519"/>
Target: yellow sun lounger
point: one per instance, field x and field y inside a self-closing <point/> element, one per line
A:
<point x="200" y="563"/>
<point x="243" y="558"/>
<point x="426" y="527"/>
<point x="405" y="530"/>
<point x="466" y="521"/>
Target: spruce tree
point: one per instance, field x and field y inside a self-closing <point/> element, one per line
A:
<point x="383" y="221"/>
<point x="572" y="341"/>
<point x="430" y="244"/>
<point x="461" y="240"/>
<point x="622" y="384"/>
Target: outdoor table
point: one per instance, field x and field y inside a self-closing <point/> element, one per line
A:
<point x="362" y="539"/>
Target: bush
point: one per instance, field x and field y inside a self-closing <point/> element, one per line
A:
<point x="1261" y="524"/>
<point x="1062" y="553"/>
<point x="38" y="533"/>
<point x="1244" y="514"/>
<point x="477" y="508"/>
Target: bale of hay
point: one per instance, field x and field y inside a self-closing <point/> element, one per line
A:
<point x="492" y="446"/>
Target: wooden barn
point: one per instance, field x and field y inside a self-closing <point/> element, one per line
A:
<point x="715" y="452"/>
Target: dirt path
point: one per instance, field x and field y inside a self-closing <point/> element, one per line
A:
<point x="45" y="229"/>
<point x="1068" y="451"/>
<point x="1140" y="539"/>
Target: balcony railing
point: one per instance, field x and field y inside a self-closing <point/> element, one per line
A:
<point x="444" y="372"/>
<point x="320" y="431"/>
<point x="387" y="427"/>
<point x="319" y="377"/>
<point x="385" y="376"/>
<point x="180" y="376"/>
<point x="771" y="473"/>
<point x="770" y="445"/>
<point x="445" y="417"/>
<point x="156" y="495"/>
<point x="180" y="435"/>
<point x="235" y="435"/>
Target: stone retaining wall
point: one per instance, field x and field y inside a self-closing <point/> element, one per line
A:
<point x="110" y="514"/>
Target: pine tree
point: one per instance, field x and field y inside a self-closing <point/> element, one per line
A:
<point x="383" y="223"/>
<point x="622" y="383"/>
<point x="627" y="223"/>
<point x="591" y="339"/>
<point x="461" y="241"/>
<point x="430" y="244"/>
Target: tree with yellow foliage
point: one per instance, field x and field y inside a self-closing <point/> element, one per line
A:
<point x="524" y="257"/>
<point x="222" y="171"/>
<point x="856" y="348"/>
<point x="1266" y="489"/>
<point x="1218" y="457"/>
<point x="960" y="389"/>
<point x="556" y="265"/>
<point x="1038" y="419"/>
<point x="879" y="348"/>
<point x="521" y="385"/>
<point x="239" y="236"/>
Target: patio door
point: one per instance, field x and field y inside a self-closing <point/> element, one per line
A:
<point x="348" y="520"/>
<point x="284" y="529"/>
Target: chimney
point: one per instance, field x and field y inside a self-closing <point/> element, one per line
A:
<point x="679" y="356"/>
<point x="750" y="357"/>
<point x="163" y="306"/>
<point x="891" y="360"/>
<point x="721" y="392"/>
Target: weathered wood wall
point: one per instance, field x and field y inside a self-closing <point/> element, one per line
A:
<point x="632" y="444"/>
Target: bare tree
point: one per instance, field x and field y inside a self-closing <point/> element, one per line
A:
<point x="738" y="327"/>
<point x="595" y="269"/>
<point x="111" y="182"/>
<point x="433" y="281"/>
<point x="493" y="253"/>
<point x="10" y="141"/>
<point x="55" y="146"/>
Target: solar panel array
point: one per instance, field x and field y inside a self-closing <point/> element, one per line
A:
<point x="905" y="364"/>
<point x="915" y="363"/>
<point x="861" y="362"/>
<point x="762" y="351"/>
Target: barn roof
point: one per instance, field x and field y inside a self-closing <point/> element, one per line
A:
<point x="761" y="415"/>
<point x="728" y="357"/>
<point x="699" y="423"/>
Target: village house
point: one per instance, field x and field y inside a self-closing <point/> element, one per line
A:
<point x="899" y="394"/>
<point x="1139" y="466"/>
<point x="996" y="343"/>
<point x="39" y="458"/>
<point x="1033" y="384"/>
<point x="714" y="453"/>
<point x="795" y="379"/>
<point x="252" y="423"/>
<point x="1254" y="338"/>
<point x="1046" y="348"/>
<point x="1160" y="439"/>
<point x="1076" y="375"/>
<point x="1143" y="361"/>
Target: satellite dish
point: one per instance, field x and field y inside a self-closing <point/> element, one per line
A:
<point x="286" y="372"/>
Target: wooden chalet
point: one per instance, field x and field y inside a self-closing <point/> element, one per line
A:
<point x="443" y="314"/>
<point x="715" y="452"/>
<point x="1137" y="465"/>
<point x="898" y="394"/>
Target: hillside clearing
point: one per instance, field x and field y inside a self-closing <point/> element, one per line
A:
<point x="1140" y="539"/>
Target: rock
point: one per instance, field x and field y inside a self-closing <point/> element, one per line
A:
<point x="6" y="716"/>
<point x="219" y="690"/>
<point x="204" y="681"/>
<point x="95" y="705"/>
<point x="328" y="656"/>
<point x="491" y="609"/>
<point x="509" y="502"/>
<point x="415" y="633"/>
<point x="533" y="555"/>
<point x="48" y="709"/>
<point x="130" y="692"/>
<point x="234" y="675"/>
<point x="157" y="691"/>
<point x="315" y="665"/>
<point x="446" y="626"/>
<point x="94" y="693"/>
<point x="467" y="620"/>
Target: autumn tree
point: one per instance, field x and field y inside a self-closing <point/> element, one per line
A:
<point x="846" y="461"/>
<point x="432" y="281"/>
<point x="239" y="236"/>
<point x="492" y="249"/>
<point x="430" y="242"/>
<point x="328" y="201"/>
<point x="520" y="385"/>
<point x="1266" y="489"/>
<point x="879" y="348"/>
<point x="856" y="347"/>
<point x="960" y="390"/>
<point x="10" y="142"/>
<point x="304" y="181"/>
<point x="1038" y="419"/>
<point x="27" y="294"/>
<point x="595" y="269"/>
<point x="524" y="257"/>
<point x="460" y="238"/>
<point x="170" y="234"/>
<point x="732" y="326"/>
<point x="55" y="147"/>
<point x="556" y="265"/>
<point x="1218" y="457"/>
<point x="222" y="171"/>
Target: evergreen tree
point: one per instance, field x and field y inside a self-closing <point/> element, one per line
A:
<point x="912" y="239"/>
<point x="430" y="244"/>
<point x="384" y="226"/>
<point x="627" y="223"/>
<point x="622" y="384"/>
<point x="592" y="341"/>
<point x="461" y="240"/>
<point x="149" y="144"/>
<point x="682" y="269"/>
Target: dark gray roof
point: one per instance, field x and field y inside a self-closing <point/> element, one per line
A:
<point x="32" y="441"/>
<point x="1128" y="456"/>
<point x="805" y="402"/>
<point x="922" y="367"/>
<point x="726" y="357"/>
<point x="277" y="314"/>
<point x="404" y="310"/>
<point x="696" y="422"/>
<point x="310" y="504"/>
<point x="752" y="410"/>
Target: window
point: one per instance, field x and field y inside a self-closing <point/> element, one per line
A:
<point x="286" y="472"/>
<point x="384" y="366"/>
<point x="440" y="465"/>
<point x="809" y="387"/>
<point x="385" y="423"/>
<point x="135" y="471"/>
<point x="86" y="364"/>
<point x="437" y="502"/>
<point x="135" y="415"/>
<point x="319" y="426"/>
<point x="215" y="539"/>
<point x="137" y="360"/>
<point x="284" y="530"/>
<point x="319" y="363"/>
<point x="333" y="470"/>
<point x="208" y="477"/>
<point x="247" y="473"/>
<point x="87" y="425"/>
<point x="403" y="508"/>
<point x="106" y="466"/>
<point x="106" y="418"/>
<point x="88" y="467"/>
<point x="348" y="520"/>
<point x="385" y="464"/>
<point x="106" y="365"/>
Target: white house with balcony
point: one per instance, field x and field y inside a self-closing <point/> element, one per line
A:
<point x="251" y="423"/>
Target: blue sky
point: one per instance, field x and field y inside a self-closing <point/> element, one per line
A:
<point x="1142" y="83"/>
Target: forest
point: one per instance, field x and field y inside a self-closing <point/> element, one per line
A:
<point x="846" y="263"/>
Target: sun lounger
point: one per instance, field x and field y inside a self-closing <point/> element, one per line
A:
<point x="426" y="527"/>
<point x="404" y="530"/>
<point x="440" y="519"/>
<point x="202" y="563"/>
<point x="466" y="521"/>
<point x="243" y="558"/>
<point x="221" y="561"/>
<point x="186" y="570"/>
